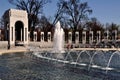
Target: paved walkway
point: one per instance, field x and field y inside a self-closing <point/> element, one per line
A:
<point x="24" y="49"/>
<point x="15" y="49"/>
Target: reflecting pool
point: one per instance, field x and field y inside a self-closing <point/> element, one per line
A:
<point x="79" y="65"/>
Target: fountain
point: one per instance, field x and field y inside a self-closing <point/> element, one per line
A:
<point x="58" y="41"/>
<point x="75" y="65"/>
<point x="100" y="61"/>
<point x="59" y="64"/>
<point x="82" y="65"/>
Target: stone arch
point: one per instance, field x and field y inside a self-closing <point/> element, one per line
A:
<point x="17" y="27"/>
<point x="19" y="31"/>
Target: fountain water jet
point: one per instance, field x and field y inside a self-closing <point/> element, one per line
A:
<point x="58" y="41"/>
<point x="108" y="68"/>
<point x="79" y="56"/>
<point x="92" y="57"/>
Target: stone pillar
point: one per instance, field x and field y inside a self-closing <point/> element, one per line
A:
<point x="91" y="37"/>
<point x="70" y="37"/>
<point x="21" y="35"/>
<point x="28" y="36"/>
<point x="42" y="37"/>
<point x="35" y="36"/>
<point x="11" y="35"/>
<point x="0" y="34"/>
<point x="98" y="36"/>
<point x="49" y="36"/>
<point x="114" y="35"/>
<point x="84" y="37"/>
<point x="0" y="31"/>
<point x="106" y="35"/>
<point x="76" y="37"/>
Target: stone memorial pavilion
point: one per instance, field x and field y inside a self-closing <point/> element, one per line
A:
<point x="16" y="27"/>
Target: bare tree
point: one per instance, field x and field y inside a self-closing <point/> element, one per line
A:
<point x="74" y="11"/>
<point x="43" y="23"/>
<point x="94" y="25"/>
<point x="59" y="14"/>
<point x="1" y="23"/>
<point x="113" y="26"/>
<point x="33" y="8"/>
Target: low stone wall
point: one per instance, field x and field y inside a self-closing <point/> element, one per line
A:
<point x="3" y="44"/>
<point x="47" y="44"/>
<point x="41" y="44"/>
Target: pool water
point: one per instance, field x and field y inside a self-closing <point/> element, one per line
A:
<point x="24" y="66"/>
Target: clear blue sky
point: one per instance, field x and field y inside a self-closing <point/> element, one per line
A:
<point x="104" y="10"/>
